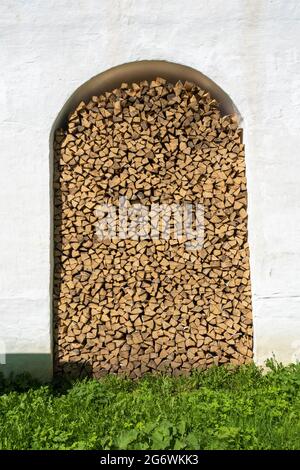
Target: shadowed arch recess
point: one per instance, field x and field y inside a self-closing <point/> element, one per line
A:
<point x="214" y="326"/>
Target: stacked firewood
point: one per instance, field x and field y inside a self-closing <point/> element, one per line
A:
<point x="135" y="305"/>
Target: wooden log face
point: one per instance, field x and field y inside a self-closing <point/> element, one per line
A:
<point x="142" y="303"/>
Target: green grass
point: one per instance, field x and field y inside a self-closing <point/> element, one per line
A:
<point x="218" y="409"/>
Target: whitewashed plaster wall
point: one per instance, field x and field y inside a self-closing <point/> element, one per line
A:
<point x="251" y="48"/>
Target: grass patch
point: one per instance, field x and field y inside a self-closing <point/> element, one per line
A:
<point x="220" y="408"/>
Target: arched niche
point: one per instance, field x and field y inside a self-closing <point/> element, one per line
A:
<point x="133" y="73"/>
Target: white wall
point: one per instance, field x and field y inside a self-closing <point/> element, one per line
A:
<point x="251" y="48"/>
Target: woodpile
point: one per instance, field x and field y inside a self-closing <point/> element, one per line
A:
<point x="138" y="306"/>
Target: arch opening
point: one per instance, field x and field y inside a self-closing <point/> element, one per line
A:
<point x="216" y="325"/>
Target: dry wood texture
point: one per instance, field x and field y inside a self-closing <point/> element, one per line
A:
<point x="137" y="306"/>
